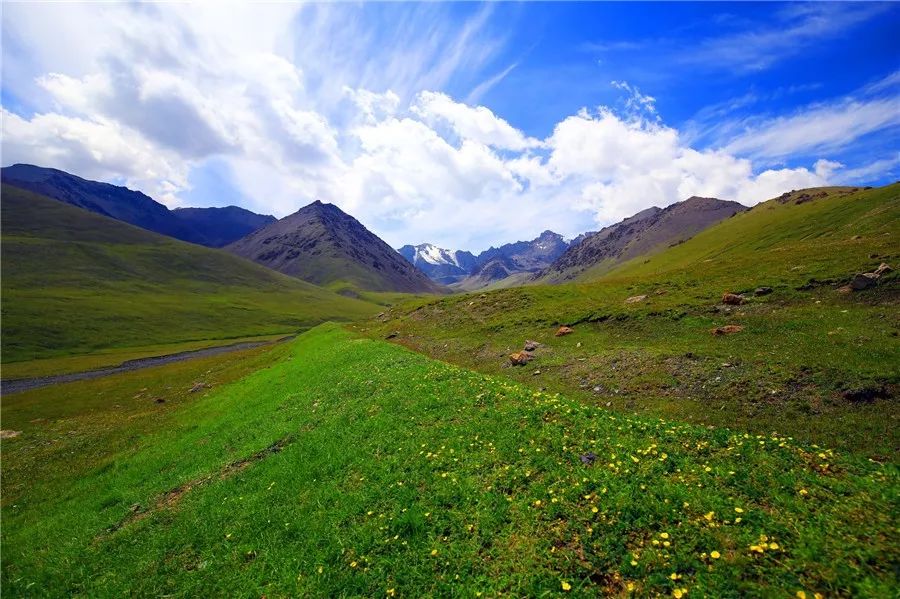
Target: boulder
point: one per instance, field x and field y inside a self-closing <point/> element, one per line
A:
<point x="732" y="299"/>
<point x="531" y="345"/>
<point x="883" y="270"/>
<point x="9" y="434"/>
<point x="635" y="299"/>
<point x="864" y="280"/>
<point x="520" y="358"/>
<point x="762" y="291"/>
<point x="564" y="330"/>
<point x="728" y="329"/>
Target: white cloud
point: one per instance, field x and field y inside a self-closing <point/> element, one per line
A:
<point x="470" y="123"/>
<point x="96" y="149"/>
<point x="819" y="129"/>
<point x="283" y="96"/>
<point x="865" y="174"/>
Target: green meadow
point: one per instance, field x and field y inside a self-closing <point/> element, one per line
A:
<point x="77" y="283"/>
<point x="336" y="465"/>
<point x="811" y="361"/>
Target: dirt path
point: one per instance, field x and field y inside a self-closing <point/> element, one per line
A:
<point x="18" y="385"/>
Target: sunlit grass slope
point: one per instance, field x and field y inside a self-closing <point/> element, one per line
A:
<point x="811" y="361"/>
<point x="350" y="467"/>
<point x="75" y="282"/>
<point x="822" y="233"/>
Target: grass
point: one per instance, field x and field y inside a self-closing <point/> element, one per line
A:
<point x="804" y="349"/>
<point x="340" y="466"/>
<point x="74" y="282"/>
<point x="112" y="357"/>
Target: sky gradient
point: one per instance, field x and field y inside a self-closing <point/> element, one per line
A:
<point x="464" y="125"/>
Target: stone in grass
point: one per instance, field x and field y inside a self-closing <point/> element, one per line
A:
<point x="564" y="330"/>
<point x="634" y="299"/>
<point x="864" y="280"/>
<point x="762" y="291"/>
<point x="732" y="299"/>
<point x="588" y="458"/>
<point x="520" y="358"/>
<point x="9" y="434"/>
<point x="199" y="387"/>
<point x="531" y="345"/>
<point x="728" y="329"/>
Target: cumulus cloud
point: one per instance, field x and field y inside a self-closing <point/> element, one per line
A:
<point x="476" y="123"/>
<point x="295" y="116"/>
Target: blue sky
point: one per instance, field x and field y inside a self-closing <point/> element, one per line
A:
<point x="460" y="124"/>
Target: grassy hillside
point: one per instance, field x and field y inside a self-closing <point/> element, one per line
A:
<point x="825" y="237"/>
<point x="75" y="282"/>
<point x="349" y="467"/>
<point x="810" y="361"/>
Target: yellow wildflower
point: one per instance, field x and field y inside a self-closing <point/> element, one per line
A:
<point x="715" y="554"/>
<point x="433" y="552"/>
<point x="664" y="535"/>
<point x="566" y="586"/>
<point x="739" y="510"/>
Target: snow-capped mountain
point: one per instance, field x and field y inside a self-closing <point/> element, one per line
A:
<point x="454" y="266"/>
<point x="440" y="265"/>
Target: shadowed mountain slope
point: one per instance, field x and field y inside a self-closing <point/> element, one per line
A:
<point x="212" y="227"/>
<point x="323" y="245"/>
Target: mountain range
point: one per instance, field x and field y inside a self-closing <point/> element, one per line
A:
<point x="212" y="227"/>
<point x="323" y="245"/>
<point x="464" y="270"/>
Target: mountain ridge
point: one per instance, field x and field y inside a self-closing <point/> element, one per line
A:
<point x="643" y="233"/>
<point x="211" y="227"/>
<point x="322" y="244"/>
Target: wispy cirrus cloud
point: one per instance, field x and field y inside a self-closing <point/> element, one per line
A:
<point x="482" y="88"/>
<point x="762" y="45"/>
<point x="817" y="128"/>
